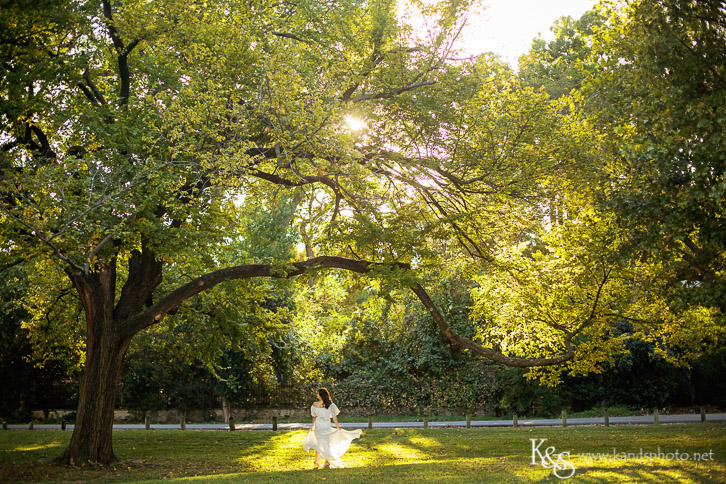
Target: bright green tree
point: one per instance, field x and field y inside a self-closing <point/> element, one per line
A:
<point x="559" y="66"/>
<point x="137" y="138"/>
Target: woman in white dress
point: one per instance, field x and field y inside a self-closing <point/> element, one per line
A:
<point x="327" y="443"/>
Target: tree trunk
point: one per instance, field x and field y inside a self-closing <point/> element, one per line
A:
<point x="91" y="442"/>
<point x="226" y="409"/>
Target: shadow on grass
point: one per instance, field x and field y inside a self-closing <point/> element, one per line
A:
<point x="638" y="473"/>
<point x="479" y="471"/>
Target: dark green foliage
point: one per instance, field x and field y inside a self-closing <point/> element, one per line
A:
<point x="659" y="94"/>
<point x="709" y="378"/>
<point x="639" y="378"/>
<point x="388" y="390"/>
<point x="29" y="382"/>
<point x="408" y="366"/>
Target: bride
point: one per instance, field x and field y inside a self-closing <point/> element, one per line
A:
<point x="328" y="443"/>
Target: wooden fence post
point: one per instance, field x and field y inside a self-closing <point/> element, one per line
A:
<point x="468" y="421"/>
<point x="426" y="421"/>
<point x="703" y="415"/>
<point x="274" y="422"/>
<point x="147" y="423"/>
<point x="606" y="417"/>
<point x="656" y="418"/>
<point x="370" y="422"/>
<point x="515" y="422"/>
<point x="231" y="424"/>
<point x="564" y="417"/>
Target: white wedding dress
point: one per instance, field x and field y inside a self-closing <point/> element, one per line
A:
<point x="330" y="443"/>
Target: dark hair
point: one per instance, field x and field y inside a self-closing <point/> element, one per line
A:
<point x="325" y="395"/>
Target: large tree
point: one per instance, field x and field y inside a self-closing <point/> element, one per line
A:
<point x="129" y="132"/>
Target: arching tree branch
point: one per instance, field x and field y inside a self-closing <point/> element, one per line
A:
<point x="157" y="311"/>
<point x="486" y="352"/>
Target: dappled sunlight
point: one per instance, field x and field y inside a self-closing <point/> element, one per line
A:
<point x="283" y="452"/>
<point x="424" y="442"/>
<point x="402" y="451"/>
<point x="279" y="451"/>
<point x="30" y="448"/>
<point x="428" y="471"/>
<point x="675" y="474"/>
<point x="656" y="471"/>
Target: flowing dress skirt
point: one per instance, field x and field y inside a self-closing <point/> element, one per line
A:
<point x="331" y="444"/>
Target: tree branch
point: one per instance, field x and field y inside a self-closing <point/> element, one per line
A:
<point x="123" y="53"/>
<point x="375" y="60"/>
<point x="87" y="93"/>
<point x="291" y="36"/>
<point x="97" y="94"/>
<point x="486" y="352"/>
<point x="157" y="311"/>
<point x="389" y="94"/>
<point x="36" y="233"/>
<point x="94" y="252"/>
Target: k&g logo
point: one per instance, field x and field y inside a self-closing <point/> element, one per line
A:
<point x="561" y="467"/>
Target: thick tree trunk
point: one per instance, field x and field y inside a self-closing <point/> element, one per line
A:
<point x="91" y="442"/>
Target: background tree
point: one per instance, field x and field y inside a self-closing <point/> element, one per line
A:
<point x="561" y="65"/>
<point x="42" y="369"/>
<point x="658" y="96"/>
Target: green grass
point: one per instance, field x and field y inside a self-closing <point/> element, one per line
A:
<point x="596" y="412"/>
<point x="500" y="455"/>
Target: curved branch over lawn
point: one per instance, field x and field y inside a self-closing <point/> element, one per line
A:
<point x="157" y="311"/>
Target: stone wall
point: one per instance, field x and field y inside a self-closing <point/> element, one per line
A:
<point x="192" y="416"/>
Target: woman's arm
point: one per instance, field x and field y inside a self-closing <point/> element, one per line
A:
<point x="311" y="428"/>
<point x="335" y="419"/>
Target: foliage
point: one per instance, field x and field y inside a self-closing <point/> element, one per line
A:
<point x="33" y="379"/>
<point x="657" y="92"/>
<point x="638" y="378"/>
<point x="231" y="342"/>
<point x="560" y="66"/>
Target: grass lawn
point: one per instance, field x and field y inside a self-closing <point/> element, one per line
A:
<point x="501" y="455"/>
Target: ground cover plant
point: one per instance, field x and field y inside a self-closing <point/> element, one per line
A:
<point x="381" y="455"/>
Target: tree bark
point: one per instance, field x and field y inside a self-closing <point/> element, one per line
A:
<point x="226" y="409"/>
<point x="91" y="442"/>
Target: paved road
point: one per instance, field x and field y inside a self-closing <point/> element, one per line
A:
<point x="633" y="420"/>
